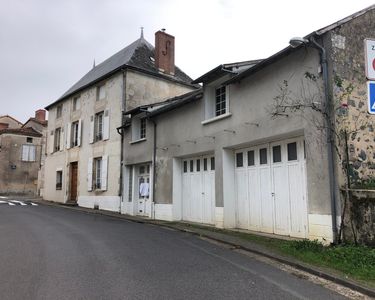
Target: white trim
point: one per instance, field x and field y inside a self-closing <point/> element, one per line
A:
<point x="137" y="141"/>
<point x="214" y="119"/>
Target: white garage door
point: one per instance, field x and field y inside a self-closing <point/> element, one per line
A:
<point x="271" y="188"/>
<point x="198" y="189"/>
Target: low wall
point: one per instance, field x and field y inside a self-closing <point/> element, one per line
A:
<point x="359" y="218"/>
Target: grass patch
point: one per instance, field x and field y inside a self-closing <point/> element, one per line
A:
<point x="355" y="262"/>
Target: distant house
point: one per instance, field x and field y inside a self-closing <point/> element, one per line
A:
<point x="249" y="150"/>
<point x="85" y="154"/>
<point x="21" y="154"/>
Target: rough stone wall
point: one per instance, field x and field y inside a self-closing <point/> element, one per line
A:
<point x="354" y="127"/>
<point x="349" y="92"/>
<point x="17" y="176"/>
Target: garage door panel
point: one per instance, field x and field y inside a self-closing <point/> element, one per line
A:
<point x="242" y="201"/>
<point x="254" y="196"/>
<point x="209" y="198"/>
<point x="297" y="200"/>
<point x="196" y="197"/>
<point x="281" y="199"/>
<point x="266" y="200"/>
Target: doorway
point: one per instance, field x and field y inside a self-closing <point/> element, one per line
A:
<point x="73" y="181"/>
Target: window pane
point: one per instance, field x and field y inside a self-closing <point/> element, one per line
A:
<point x="205" y="164"/>
<point x="239" y="160"/>
<point x="212" y="163"/>
<point x="263" y="156"/>
<point x="185" y="166"/>
<point x="198" y="165"/>
<point x="292" y="151"/>
<point x="191" y="166"/>
<point x="276" y="154"/>
<point x="250" y="158"/>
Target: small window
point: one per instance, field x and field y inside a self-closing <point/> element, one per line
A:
<point x="263" y="156"/>
<point x="58" y="180"/>
<point x="97" y="173"/>
<point x="220" y="101"/>
<point x="99" y="126"/>
<point x="185" y="166"/>
<point x="59" y="111"/>
<point x="141" y="169"/>
<point x="148" y="169"/>
<point x="142" y="129"/>
<point x="76" y="103"/>
<point x="100" y="92"/>
<point x="28" y="153"/>
<point x="191" y="166"/>
<point x="276" y="154"/>
<point x="57" y="138"/>
<point x="213" y="163"/>
<point x="74" y="134"/>
<point x="29" y="140"/>
<point x="250" y="158"/>
<point x="292" y="151"/>
<point x="239" y="160"/>
<point x="198" y="165"/>
<point x="205" y="164"/>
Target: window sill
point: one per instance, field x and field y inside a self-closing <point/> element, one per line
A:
<point x="208" y="121"/>
<point x="137" y="141"/>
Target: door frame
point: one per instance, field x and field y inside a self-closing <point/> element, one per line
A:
<point x="74" y="163"/>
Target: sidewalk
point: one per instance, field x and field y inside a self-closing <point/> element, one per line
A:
<point x="227" y="237"/>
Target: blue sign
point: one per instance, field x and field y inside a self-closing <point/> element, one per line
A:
<point x="371" y="96"/>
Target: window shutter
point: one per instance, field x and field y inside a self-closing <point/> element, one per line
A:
<point x="62" y="135"/>
<point x="104" y="172"/>
<point x="91" y="134"/>
<point x="25" y="153"/>
<point x="89" y="175"/>
<point x="106" y="125"/>
<point x="68" y="133"/>
<point x="52" y="142"/>
<point x="79" y="132"/>
<point x="32" y="153"/>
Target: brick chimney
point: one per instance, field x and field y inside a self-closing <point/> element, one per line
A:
<point x="40" y="115"/>
<point x="164" y="52"/>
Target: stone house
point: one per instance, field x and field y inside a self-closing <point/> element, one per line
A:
<point x="260" y="146"/>
<point x="21" y="154"/>
<point x="84" y="158"/>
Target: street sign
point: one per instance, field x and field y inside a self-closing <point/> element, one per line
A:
<point x="371" y="96"/>
<point x="370" y="58"/>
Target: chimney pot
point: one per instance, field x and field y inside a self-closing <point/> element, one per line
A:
<point x="164" y="52"/>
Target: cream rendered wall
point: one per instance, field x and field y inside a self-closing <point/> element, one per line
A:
<point x="142" y="89"/>
<point x="111" y="147"/>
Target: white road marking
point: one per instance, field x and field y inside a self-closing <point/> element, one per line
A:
<point x="3" y="202"/>
<point x="34" y="204"/>
<point x="2" y="197"/>
<point x="19" y="202"/>
<point x="10" y="203"/>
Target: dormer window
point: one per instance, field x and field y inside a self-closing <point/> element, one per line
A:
<point x="216" y="102"/>
<point x="220" y="101"/>
<point x="139" y="126"/>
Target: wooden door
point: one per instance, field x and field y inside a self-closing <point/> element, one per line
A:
<point x="73" y="181"/>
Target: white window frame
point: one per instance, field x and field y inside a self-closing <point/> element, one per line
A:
<point x="28" y="153"/>
<point x="57" y="139"/>
<point x="139" y="129"/>
<point x="59" y="179"/>
<point x="98" y="126"/>
<point x="210" y="100"/>
<point x="97" y="173"/>
<point x="75" y="134"/>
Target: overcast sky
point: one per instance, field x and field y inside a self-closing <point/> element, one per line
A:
<point x="48" y="45"/>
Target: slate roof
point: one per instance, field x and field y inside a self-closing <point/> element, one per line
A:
<point x="135" y="56"/>
<point x="28" y="131"/>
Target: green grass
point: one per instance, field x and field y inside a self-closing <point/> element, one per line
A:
<point x="355" y="262"/>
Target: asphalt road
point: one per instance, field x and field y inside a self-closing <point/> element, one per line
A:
<point x="56" y="253"/>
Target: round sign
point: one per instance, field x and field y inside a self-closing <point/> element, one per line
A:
<point x="373" y="64"/>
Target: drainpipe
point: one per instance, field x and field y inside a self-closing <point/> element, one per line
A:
<point x="330" y="148"/>
<point x="153" y="169"/>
